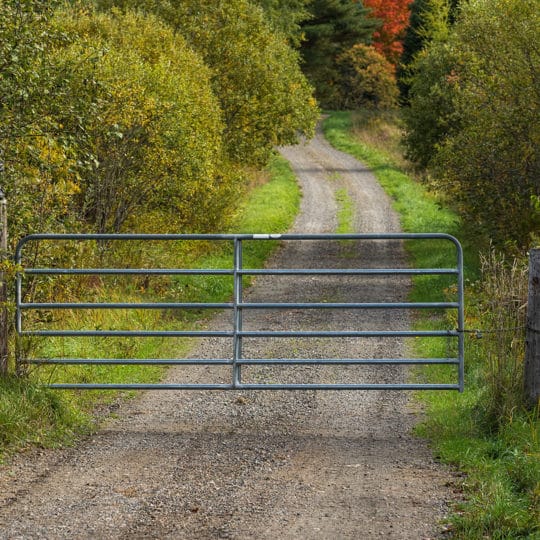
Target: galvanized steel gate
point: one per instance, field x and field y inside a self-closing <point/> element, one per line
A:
<point x="239" y="306"/>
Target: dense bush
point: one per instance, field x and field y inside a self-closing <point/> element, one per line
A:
<point x="430" y="115"/>
<point x="428" y="18"/>
<point x="265" y="98"/>
<point x="156" y="132"/>
<point x="474" y="117"/>
<point x="107" y="119"/>
<point x="491" y="165"/>
<point x="366" y="79"/>
<point x="34" y="148"/>
<point x="266" y="101"/>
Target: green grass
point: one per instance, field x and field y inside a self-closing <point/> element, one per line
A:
<point x="345" y="212"/>
<point x="502" y="467"/>
<point x="31" y="414"/>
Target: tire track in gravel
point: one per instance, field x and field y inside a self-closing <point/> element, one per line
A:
<point x="260" y="465"/>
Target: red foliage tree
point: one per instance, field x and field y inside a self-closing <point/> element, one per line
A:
<point x="394" y="14"/>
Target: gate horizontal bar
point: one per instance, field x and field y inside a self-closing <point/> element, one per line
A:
<point x="128" y="271"/>
<point x="230" y="305"/>
<point x="172" y="386"/>
<point x="244" y="361"/>
<point x="253" y="333"/>
<point x="350" y="333"/>
<point x="138" y="386"/>
<point x="245" y="272"/>
<point x="336" y="386"/>
<point x="129" y="361"/>
<point x="347" y="361"/>
<point x="348" y="271"/>
<point x="128" y="333"/>
<point x="173" y="237"/>
<point x="350" y="305"/>
<point x="123" y="305"/>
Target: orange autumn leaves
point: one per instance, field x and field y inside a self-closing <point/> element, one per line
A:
<point x="394" y="15"/>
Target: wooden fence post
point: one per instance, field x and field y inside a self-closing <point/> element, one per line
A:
<point x="4" y="317"/>
<point x="532" y="351"/>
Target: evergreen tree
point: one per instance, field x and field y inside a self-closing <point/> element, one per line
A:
<point x="412" y="42"/>
<point x="334" y="27"/>
<point x="416" y="37"/>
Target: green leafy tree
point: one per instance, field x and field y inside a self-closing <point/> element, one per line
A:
<point x="430" y="112"/>
<point x="427" y="20"/>
<point x="265" y="98"/>
<point x="430" y="116"/>
<point x="286" y="16"/>
<point x="36" y="151"/>
<point x="156" y="135"/>
<point x="413" y="42"/>
<point x="334" y="27"/>
<point x="490" y="165"/>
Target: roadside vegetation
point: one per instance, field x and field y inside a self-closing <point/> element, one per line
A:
<point x="472" y="117"/>
<point x="487" y="432"/>
<point x="469" y="82"/>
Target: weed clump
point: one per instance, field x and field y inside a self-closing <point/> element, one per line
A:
<point x="499" y="309"/>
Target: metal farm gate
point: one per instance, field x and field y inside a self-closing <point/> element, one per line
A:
<point x="27" y="327"/>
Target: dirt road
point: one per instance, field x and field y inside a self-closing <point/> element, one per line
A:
<point x="267" y="465"/>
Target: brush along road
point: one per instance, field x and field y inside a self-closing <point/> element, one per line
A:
<point x="260" y="465"/>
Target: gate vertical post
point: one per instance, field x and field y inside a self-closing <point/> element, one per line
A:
<point x="461" y="318"/>
<point x="237" y="346"/>
<point x="4" y="317"/>
<point x="532" y="340"/>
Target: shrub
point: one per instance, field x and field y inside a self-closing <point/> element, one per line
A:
<point x="491" y="165"/>
<point x="366" y="79"/>
<point x="36" y="156"/>
<point x="266" y="101"/>
<point x="430" y="114"/>
<point x="473" y="120"/>
<point x="156" y="134"/>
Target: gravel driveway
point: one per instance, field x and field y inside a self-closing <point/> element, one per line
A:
<point x="260" y="465"/>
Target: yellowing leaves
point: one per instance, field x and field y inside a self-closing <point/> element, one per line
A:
<point x="264" y="96"/>
<point x="128" y="114"/>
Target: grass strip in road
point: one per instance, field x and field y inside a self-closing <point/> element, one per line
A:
<point x="31" y="415"/>
<point x="345" y="212"/>
<point x="502" y="467"/>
